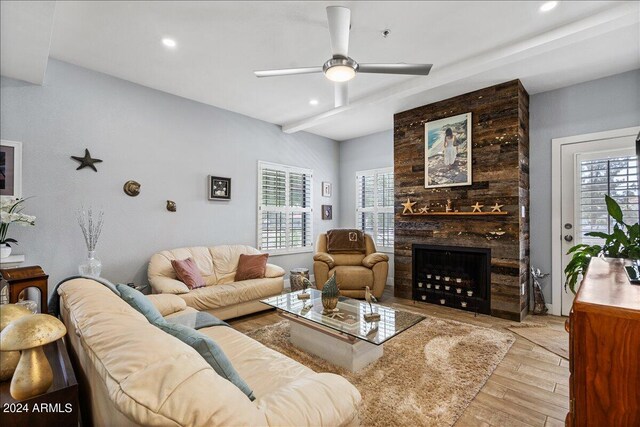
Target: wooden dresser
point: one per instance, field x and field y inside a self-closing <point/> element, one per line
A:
<point x="604" y="348"/>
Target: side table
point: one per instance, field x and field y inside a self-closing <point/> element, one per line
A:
<point x="59" y="406"/>
<point x="20" y="278"/>
<point x="295" y="278"/>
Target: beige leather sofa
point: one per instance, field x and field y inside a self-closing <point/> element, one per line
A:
<point x="353" y="271"/>
<point x="137" y="375"/>
<point x="222" y="297"/>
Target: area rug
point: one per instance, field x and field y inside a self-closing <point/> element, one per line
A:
<point x="554" y="340"/>
<point x="426" y="377"/>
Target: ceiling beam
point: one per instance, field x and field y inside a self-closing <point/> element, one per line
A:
<point x="25" y="38"/>
<point x="595" y="25"/>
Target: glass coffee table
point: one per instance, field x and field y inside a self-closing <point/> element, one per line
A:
<point x="344" y="337"/>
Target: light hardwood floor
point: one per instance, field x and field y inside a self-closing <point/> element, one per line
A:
<point x="530" y="387"/>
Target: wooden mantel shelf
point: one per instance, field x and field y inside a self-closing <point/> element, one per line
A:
<point x="454" y="213"/>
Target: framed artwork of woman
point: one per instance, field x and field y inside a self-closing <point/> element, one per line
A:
<point x="448" y="152"/>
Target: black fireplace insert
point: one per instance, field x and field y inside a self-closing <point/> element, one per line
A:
<point x="452" y="276"/>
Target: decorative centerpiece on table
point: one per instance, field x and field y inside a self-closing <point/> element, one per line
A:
<point x="91" y="225"/>
<point x="11" y="213"/>
<point x="369" y="298"/>
<point x="306" y="283"/>
<point x="330" y="294"/>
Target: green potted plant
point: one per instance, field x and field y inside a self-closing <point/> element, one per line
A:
<point x="623" y="242"/>
<point x="11" y="213"/>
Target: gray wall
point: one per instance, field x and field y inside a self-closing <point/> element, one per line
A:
<point x="599" y="105"/>
<point x="368" y="152"/>
<point x="168" y="144"/>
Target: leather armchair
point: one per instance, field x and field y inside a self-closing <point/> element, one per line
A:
<point x="354" y="270"/>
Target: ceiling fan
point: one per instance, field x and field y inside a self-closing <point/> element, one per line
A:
<point x="341" y="68"/>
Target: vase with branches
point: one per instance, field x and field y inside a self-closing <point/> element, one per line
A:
<point x="90" y="222"/>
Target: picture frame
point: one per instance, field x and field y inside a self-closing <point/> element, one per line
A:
<point x="327" y="212"/>
<point x="10" y="169"/>
<point x="447" y="152"/>
<point x="326" y="189"/>
<point x="219" y="188"/>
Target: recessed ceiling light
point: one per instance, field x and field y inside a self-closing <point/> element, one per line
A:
<point x="313" y="102"/>
<point x="547" y="6"/>
<point x="168" y="42"/>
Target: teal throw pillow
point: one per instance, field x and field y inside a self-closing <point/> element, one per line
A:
<point x="205" y="346"/>
<point x="209" y="350"/>
<point x="141" y="303"/>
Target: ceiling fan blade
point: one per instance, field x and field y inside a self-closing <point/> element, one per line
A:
<point x="287" y="71"/>
<point x="414" y="69"/>
<point x="339" y="25"/>
<point x="341" y="92"/>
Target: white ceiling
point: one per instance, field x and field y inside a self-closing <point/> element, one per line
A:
<point x="472" y="44"/>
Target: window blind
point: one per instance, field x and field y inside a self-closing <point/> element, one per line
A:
<point x="617" y="177"/>
<point x="374" y="205"/>
<point x="285" y="208"/>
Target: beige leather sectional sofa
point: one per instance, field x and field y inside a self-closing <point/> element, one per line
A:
<point x="222" y="297"/>
<point x="139" y="375"/>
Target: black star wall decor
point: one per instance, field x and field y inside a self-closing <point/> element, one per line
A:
<point x="86" y="161"/>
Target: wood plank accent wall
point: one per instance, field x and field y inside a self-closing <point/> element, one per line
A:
<point x="500" y="138"/>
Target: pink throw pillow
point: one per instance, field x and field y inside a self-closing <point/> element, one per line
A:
<point x="251" y="267"/>
<point x="187" y="272"/>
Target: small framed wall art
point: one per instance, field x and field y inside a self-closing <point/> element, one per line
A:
<point x="327" y="212"/>
<point x="326" y="189"/>
<point x="10" y="169"/>
<point x="219" y="188"/>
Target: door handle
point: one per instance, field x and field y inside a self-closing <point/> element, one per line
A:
<point x="568" y="238"/>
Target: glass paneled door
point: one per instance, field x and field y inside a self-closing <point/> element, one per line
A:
<point x="589" y="171"/>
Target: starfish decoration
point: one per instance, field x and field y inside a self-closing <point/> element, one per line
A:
<point x="408" y="206"/>
<point x="86" y="161"/>
<point x="496" y="208"/>
<point x="335" y="313"/>
<point x="477" y="207"/>
<point x="424" y="210"/>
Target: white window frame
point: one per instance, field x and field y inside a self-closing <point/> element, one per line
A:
<point x="286" y="209"/>
<point x="375" y="209"/>
<point x="578" y="217"/>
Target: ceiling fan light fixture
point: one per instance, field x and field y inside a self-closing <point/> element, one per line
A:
<point x="340" y="73"/>
<point x="339" y="69"/>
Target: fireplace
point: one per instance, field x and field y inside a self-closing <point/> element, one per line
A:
<point x="452" y="276"/>
<point x="500" y="174"/>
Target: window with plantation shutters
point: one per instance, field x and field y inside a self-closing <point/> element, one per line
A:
<point x="374" y="206"/>
<point x="284" y="208"/>
<point x="617" y="177"/>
